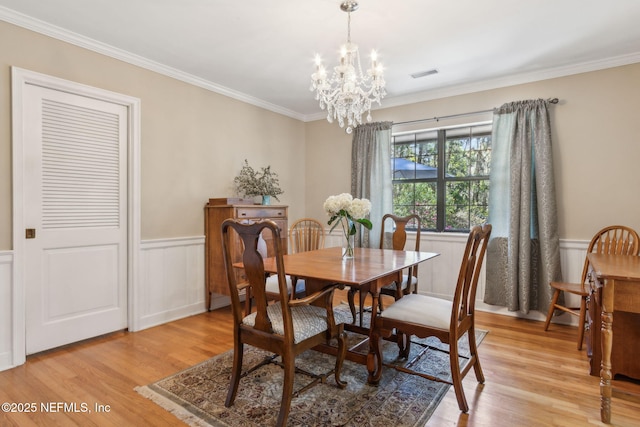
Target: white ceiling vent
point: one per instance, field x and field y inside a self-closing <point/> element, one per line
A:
<point x="424" y="73"/>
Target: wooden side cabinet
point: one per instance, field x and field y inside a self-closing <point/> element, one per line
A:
<point x="215" y="212"/>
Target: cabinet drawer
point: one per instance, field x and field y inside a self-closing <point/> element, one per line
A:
<point x="261" y="212"/>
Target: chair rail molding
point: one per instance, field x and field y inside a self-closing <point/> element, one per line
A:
<point x="171" y="280"/>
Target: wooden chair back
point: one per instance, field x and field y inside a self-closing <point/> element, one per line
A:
<point x="306" y="234"/>
<point x="464" y="298"/>
<point x="614" y="240"/>
<point x="399" y="227"/>
<point x="399" y="235"/>
<point x="250" y="235"/>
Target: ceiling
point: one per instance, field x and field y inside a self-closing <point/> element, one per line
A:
<point x="262" y="51"/>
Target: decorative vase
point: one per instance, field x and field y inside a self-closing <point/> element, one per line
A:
<point x="347" y="250"/>
<point x="266" y="200"/>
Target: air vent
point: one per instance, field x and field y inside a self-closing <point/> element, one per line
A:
<point x="424" y="73"/>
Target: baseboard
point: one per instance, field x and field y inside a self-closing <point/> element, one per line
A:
<point x="171" y="315"/>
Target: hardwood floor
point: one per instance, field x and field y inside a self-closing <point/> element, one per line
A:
<point x="533" y="378"/>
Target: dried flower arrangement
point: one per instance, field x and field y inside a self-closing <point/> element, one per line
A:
<point x="250" y="182"/>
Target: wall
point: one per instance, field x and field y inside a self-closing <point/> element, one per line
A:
<point x="193" y="143"/>
<point x="596" y="137"/>
<point x="193" y="140"/>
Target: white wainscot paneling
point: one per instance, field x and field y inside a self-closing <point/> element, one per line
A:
<point x="438" y="276"/>
<point x="6" y="310"/>
<point x="172" y="280"/>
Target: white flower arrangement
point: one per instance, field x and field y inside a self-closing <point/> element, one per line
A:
<point x="345" y="210"/>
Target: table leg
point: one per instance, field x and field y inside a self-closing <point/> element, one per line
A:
<point x="374" y="357"/>
<point x="606" y="342"/>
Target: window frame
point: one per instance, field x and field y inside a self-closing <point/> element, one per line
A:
<point x="441" y="180"/>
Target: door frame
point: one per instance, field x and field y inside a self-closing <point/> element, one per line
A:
<point x="19" y="79"/>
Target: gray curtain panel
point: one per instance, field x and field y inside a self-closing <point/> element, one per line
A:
<point x="523" y="255"/>
<point x="371" y="176"/>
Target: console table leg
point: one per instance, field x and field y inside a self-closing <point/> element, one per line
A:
<point x="605" y="371"/>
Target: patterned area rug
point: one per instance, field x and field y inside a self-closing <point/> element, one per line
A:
<point x="197" y="394"/>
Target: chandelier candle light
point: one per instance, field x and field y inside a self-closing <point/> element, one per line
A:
<point x="349" y="92"/>
<point x="343" y="209"/>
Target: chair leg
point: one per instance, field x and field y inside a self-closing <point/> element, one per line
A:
<point x="404" y="344"/>
<point x="415" y="288"/>
<point x="399" y="291"/>
<point x="456" y="377"/>
<point x="581" y="321"/>
<point x="235" y="373"/>
<point x="362" y="292"/>
<point x="363" y="295"/>
<point x="473" y="351"/>
<point x="552" y="308"/>
<point x="287" y="388"/>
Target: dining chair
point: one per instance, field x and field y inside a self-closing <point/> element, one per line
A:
<point x="294" y="288"/>
<point x="306" y="234"/>
<point x="286" y="327"/>
<point x="398" y="240"/>
<point x="425" y="316"/>
<point x="615" y="239"/>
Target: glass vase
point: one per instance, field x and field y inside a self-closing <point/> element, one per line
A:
<point x="347" y="250"/>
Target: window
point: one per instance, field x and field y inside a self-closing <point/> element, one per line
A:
<point x="443" y="176"/>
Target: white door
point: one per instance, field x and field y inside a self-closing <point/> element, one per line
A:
<point x="75" y="217"/>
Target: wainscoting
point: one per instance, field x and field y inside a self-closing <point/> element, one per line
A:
<point x="171" y="281"/>
<point x="6" y="309"/>
<point x="437" y="277"/>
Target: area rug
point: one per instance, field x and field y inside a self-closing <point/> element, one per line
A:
<point x="197" y="394"/>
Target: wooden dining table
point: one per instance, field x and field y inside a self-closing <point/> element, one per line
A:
<point x="369" y="270"/>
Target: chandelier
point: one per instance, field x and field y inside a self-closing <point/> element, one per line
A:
<point x="348" y="93"/>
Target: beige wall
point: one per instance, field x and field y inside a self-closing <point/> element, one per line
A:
<point x="193" y="140"/>
<point x="596" y="137"/>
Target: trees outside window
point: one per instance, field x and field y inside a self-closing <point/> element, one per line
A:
<point x="443" y="176"/>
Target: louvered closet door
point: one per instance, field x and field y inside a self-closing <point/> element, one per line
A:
<point x="75" y="201"/>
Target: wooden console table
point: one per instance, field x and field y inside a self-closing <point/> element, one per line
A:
<point x="617" y="277"/>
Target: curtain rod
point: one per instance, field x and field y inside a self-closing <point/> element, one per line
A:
<point x="550" y="100"/>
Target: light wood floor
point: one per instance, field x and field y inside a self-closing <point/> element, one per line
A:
<point x="533" y="378"/>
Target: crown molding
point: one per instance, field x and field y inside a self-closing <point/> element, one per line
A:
<point x="512" y="80"/>
<point x="47" y="29"/>
<point x="58" y="33"/>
